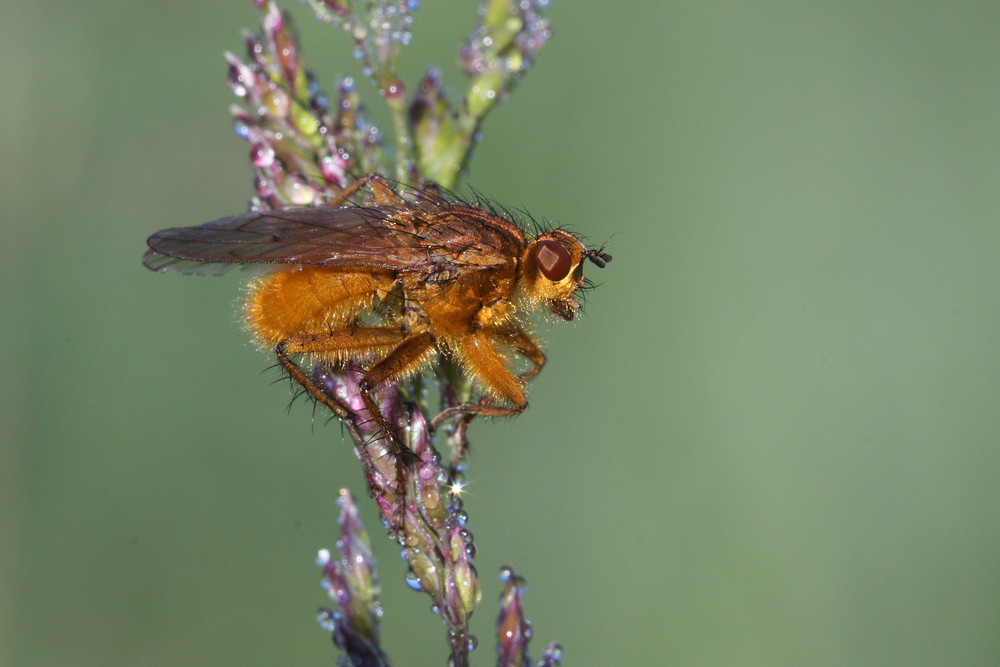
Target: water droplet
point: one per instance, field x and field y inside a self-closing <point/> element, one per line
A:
<point x="556" y="651"/>
<point x="461" y="517"/>
<point x="470" y="550"/>
<point x="506" y="572"/>
<point x="435" y="609"/>
<point x="298" y="193"/>
<point x="473" y="642"/>
<point x="263" y="187"/>
<point x="261" y="155"/>
<point x="236" y="81"/>
<point x="322" y="557"/>
<point x="277" y="103"/>
<point x="325" y="618"/>
<point x="332" y="168"/>
<point x="413" y="582"/>
<point x="242" y="129"/>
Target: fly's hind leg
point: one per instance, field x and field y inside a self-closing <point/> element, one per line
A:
<point x="406" y="358"/>
<point x="383" y="193"/>
<point x="342" y="411"/>
<point x="407" y="355"/>
<point x="376" y="184"/>
<point x="343" y="343"/>
<point x="403" y="355"/>
<point x="306" y="382"/>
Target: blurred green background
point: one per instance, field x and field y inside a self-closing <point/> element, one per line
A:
<point x="773" y="438"/>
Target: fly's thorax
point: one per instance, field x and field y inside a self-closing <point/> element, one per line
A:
<point x="551" y="271"/>
<point x="479" y="299"/>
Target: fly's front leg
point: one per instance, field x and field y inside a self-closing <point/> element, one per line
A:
<point x="481" y="361"/>
<point x="485" y="407"/>
<point x="523" y="343"/>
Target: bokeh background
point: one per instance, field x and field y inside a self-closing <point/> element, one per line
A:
<point x="773" y="439"/>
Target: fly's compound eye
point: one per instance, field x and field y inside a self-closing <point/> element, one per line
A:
<point x="553" y="260"/>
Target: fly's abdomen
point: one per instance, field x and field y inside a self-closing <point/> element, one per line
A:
<point x="311" y="300"/>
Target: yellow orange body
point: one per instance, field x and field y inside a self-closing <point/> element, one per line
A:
<point x="387" y="285"/>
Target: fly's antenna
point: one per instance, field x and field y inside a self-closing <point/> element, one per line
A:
<point x="598" y="256"/>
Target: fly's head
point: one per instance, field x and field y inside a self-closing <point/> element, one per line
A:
<point x="552" y="271"/>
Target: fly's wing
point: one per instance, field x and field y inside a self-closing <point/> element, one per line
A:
<point x="379" y="236"/>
